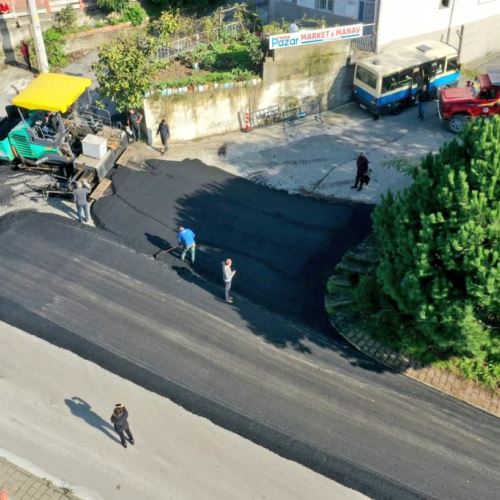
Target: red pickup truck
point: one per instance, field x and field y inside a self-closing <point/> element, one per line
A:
<point x="479" y="98"/>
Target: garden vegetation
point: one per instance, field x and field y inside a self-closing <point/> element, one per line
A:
<point x="435" y="294"/>
<point x="129" y="67"/>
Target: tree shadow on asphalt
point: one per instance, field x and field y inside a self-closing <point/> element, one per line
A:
<point x="284" y="272"/>
<point x="284" y="247"/>
<point x="80" y="408"/>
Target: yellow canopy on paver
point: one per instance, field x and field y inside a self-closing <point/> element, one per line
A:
<point x="54" y="92"/>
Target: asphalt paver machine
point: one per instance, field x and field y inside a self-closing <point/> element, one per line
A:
<point x="48" y="126"/>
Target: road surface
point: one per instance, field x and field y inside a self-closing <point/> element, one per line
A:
<point x="283" y="247"/>
<point x="64" y="430"/>
<point x="283" y="386"/>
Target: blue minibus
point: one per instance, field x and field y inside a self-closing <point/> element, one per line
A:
<point x="387" y="82"/>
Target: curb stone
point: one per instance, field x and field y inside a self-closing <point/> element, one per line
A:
<point x="442" y="380"/>
<point x="17" y="483"/>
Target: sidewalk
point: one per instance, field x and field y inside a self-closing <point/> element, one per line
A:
<point x="17" y="483"/>
<point x="55" y="414"/>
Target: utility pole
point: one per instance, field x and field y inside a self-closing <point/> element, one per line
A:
<point x="43" y="63"/>
<point x="450" y="22"/>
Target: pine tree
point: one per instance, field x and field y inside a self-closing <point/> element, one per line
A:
<point x="440" y="246"/>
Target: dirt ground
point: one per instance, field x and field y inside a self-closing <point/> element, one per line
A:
<point x="176" y="70"/>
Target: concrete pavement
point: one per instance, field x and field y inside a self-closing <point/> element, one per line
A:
<point x="55" y="413"/>
<point x="18" y="483"/>
<point x="316" y="156"/>
<point x="281" y="385"/>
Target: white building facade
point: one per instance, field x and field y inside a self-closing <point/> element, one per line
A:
<point x="405" y="21"/>
<point x="473" y="26"/>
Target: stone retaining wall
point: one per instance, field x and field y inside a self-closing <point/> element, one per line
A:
<point x="315" y="78"/>
<point x="343" y="317"/>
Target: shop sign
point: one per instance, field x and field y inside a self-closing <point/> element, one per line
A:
<point x="309" y="37"/>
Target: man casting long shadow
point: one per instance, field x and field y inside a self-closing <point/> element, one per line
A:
<point x="80" y="408"/>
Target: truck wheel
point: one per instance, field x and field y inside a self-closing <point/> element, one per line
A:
<point x="457" y="122"/>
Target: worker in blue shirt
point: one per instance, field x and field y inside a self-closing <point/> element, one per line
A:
<point x="185" y="238"/>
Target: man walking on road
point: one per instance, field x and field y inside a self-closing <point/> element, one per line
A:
<point x="185" y="238"/>
<point x="164" y="132"/>
<point x="120" y="422"/>
<point x="80" y="195"/>
<point x="361" y="172"/>
<point x="227" y="276"/>
<point x="134" y="122"/>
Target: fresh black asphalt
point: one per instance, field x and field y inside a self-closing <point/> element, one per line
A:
<point x="280" y="384"/>
<point x="283" y="247"/>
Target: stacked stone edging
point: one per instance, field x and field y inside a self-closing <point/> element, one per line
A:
<point x="344" y="321"/>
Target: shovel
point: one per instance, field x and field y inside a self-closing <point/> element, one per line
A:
<point x="157" y="254"/>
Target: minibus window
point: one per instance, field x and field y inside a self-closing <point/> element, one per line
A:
<point x="389" y="82"/>
<point x="407" y="77"/>
<point x="452" y="64"/>
<point x="432" y="68"/>
<point x="438" y="66"/>
<point x="367" y="77"/>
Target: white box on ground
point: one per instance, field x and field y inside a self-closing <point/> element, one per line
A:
<point x="94" y="146"/>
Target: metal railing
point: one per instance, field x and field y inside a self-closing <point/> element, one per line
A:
<point x="179" y="45"/>
<point x="366" y="43"/>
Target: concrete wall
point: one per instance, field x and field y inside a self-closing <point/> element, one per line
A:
<point x="13" y="30"/>
<point x="480" y="38"/>
<point x="15" y="26"/>
<point x="317" y="76"/>
<point x="199" y="114"/>
<point x="314" y="78"/>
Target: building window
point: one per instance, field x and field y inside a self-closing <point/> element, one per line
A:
<point x="444" y="4"/>
<point x="324" y="5"/>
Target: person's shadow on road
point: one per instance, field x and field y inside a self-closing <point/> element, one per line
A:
<point x="80" y="408"/>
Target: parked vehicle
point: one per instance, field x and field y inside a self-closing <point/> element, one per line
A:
<point x="478" y="98"/>
<point x="388" y="82"/>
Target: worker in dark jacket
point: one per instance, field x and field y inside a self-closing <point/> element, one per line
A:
<point x="423" y="97"/>
<point x="119" y="419"/>
<point x="361" y="172"/>
<point x="164" y="132"/>
<point x="80" y="195"/>
<point x="134" y="122"/>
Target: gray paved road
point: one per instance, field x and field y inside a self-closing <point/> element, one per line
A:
<point x="312" y="400"/>
<point x="283" y="247"/>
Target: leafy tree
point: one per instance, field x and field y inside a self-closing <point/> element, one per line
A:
<point x="172" y="22"/>
<point x="126" y="69"/>
<point x="112" y="5"/>
<point x="135" y="14"/>
<point x="440" y="249"/>
<point x="66" y="19"/>
<point x="54" y="45"/>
